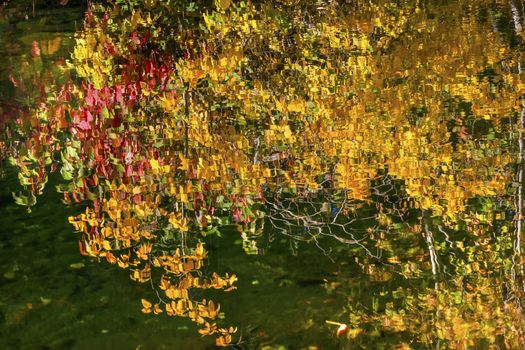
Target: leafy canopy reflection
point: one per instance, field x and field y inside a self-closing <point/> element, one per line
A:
<point x="308" y="116"/>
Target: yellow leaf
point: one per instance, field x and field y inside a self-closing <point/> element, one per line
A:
<point x="147" y="305"/>
<point x="154" y="165"/>
<point x="157" y="310"/>
<point x="199" y="249"/>
<point x="106" y="245"/>
<point x="393" y="260"/>
<point x="184" y="163"/>
<point x="224" y="340"/>
<point x="296" y="106"/>
<point x="353" y="333"/>
<point x="287" y="132"/>
<point x="224" y="4"/>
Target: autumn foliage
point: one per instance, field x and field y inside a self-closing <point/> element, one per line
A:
<point x="182" y="119"/>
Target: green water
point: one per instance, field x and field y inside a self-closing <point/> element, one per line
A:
<point x="51" y="297"/>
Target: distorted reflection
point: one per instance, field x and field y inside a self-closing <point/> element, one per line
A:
<point x="387" y="134"/>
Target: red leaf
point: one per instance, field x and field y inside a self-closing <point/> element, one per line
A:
<point x="35" y="49"/>
<point x="341" y="330"/>
<point x="135" y="38"/>
<point x="83" y="125"/>
<point x="237" y="214"/>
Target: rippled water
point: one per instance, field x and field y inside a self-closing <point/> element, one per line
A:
<point x="333" y="174"/>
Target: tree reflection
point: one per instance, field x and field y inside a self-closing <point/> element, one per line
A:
<point x="370" y="123"/>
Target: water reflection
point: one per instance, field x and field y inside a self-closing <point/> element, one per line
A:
<point x="388" y="132"/>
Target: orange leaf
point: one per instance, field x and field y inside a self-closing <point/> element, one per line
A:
<point x="146" y="304"/>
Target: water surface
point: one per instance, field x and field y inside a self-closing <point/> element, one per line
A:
<point x="309" y="166"/>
